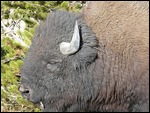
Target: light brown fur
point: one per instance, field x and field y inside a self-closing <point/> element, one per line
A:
<point x="122" y="29"/>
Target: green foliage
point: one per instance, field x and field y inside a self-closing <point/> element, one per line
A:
<point x="65" y="5"/>
<point x="12" y="52"/>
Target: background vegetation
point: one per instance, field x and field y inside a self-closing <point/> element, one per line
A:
<point x="19" y="20"/>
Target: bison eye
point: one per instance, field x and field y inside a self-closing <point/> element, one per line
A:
<point x="43" y="62"/>
<point x="52" y="67"/>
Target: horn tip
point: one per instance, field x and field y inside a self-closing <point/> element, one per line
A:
<point x="76" y="22"/>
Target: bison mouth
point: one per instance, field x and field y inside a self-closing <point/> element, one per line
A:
<point x="25" y="94"/>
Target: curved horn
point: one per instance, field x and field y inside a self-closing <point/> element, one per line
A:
<point x="73" y="46"/>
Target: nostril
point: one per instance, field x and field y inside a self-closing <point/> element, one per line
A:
<point x="23" y="89"/>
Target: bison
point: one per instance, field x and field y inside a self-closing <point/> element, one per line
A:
<point x="96" y="60"/>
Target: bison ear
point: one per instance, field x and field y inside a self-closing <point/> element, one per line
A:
<point x="72" y="47"/>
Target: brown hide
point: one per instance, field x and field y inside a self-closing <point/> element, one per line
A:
<point x="122" y="29"/>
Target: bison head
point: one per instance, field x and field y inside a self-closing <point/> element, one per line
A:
<point x="58" y="64"/>
<point x="93" y="61"/>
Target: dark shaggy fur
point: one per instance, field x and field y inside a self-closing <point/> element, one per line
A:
<point x="99" y="77"/>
